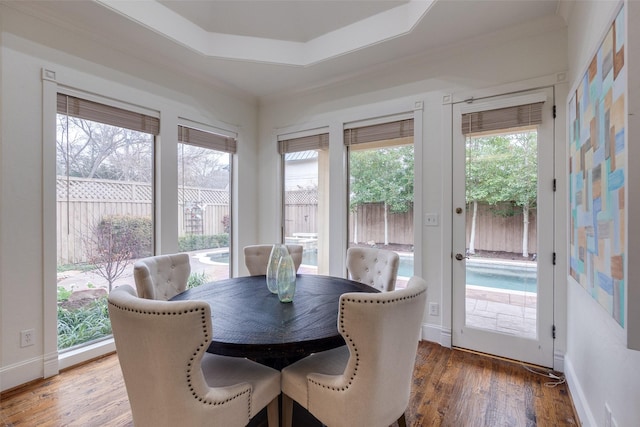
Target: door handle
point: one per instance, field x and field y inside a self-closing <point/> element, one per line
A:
<point x="460" y="257"/>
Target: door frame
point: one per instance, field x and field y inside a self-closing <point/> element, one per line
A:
<point x="539" y="351"/>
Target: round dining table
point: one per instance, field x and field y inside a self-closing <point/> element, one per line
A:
<point x="250" y="321"/>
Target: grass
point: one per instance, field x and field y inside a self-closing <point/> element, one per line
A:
<point x="79" y="325"/>
<point x="83" y="324"/>
<point x="78" y="267"/>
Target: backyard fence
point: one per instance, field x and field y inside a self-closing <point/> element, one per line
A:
<point x="82" y="203"/>
<point x="496" y="232"/>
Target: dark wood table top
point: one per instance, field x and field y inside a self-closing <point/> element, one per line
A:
<point x="249" y="321"/>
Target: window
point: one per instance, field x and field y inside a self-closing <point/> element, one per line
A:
<point x="204" y="197"/>
<point x="306" y="197"/>
<point x="381" y="177"/>
<point x="104" y="198"/>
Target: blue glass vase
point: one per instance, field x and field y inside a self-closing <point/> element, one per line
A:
<point x="286" y="279"/>
<point x="277" y="252"/>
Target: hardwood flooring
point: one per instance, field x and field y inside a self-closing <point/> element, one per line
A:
<point x="450" y="388"/>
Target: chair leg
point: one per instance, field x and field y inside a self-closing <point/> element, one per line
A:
<point x="272" y="413"/>
<point x="402" y="421"/>
<point x="287" y="411"/>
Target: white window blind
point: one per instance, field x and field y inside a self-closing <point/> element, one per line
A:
<point x="305" y="143"/>
<point x="204" y="139"/>
<point x="379" y="132"/>
<point x="102" y="113"/>
<point x="502" y="118"/>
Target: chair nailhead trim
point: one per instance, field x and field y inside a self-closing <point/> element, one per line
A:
<point x="201" y="348"/>
<point x="352" y="343"/>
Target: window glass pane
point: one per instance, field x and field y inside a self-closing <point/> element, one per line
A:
<point x="381" y="199"/>
<point x="204" y="216"/>
<point x="104" y="207"/>
<point x="306" y="181"/>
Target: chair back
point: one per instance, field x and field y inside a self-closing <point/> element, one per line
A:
<point x="256" y="257"/>
<point x="382" y="331"/>
<point x="160" y="345"/>
<point x="374" y="267"/>
<point x="161" y="277"/>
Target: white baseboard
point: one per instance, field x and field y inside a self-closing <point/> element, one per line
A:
<point x="558" y="361"/>
<point x="20" y="373"/>
<point x="435" y="333"/>
<point x="49" y="365"/>
<point x="579" y="400"/>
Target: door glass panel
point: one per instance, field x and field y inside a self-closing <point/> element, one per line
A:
<point x="501" y="235"/>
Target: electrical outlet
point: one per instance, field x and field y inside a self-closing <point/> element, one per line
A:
<point x="26" y="337"/>
<point x="434" y="309"/>
<point x="431" y="219"/>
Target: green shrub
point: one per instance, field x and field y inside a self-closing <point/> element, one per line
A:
<point x="63" y="294"/>
<point x="125" y="234"/>
<point x="196" y="242"/>
<point x="197" y="279"/>
<point x="78" y="326"/>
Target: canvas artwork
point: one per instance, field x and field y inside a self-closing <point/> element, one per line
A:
<point x="597" y="174"/>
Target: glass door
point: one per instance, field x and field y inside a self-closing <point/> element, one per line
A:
<point x="503" y="227"/>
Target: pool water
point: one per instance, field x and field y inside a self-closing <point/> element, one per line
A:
<point x="523" y="280"/>
<point x="221" y="257"/>
<point x="515" y="278"/>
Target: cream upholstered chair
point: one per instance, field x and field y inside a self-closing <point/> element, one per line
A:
<point x="373" y="267"/>
<point x="256" y="257"/>
<point x="368" y="381"/>
<point x="169" y="377"/>
<point x="161" y="277"/>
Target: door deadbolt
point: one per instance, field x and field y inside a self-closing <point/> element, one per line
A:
<point x="458" y="210"/>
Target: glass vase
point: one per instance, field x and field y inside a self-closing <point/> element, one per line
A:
<point x="278" y="251"/>
<point x="286" y="279"/>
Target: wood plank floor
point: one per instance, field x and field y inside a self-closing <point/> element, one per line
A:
<point x="450" y="388"/>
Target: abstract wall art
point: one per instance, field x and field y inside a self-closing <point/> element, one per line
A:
<point x="597" y="163"/>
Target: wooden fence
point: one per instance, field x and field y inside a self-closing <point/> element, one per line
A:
<point x="370" y="225"/>
<point x="501" y="233"/>
<point x="81" y="203"/>
<point x="203" y="211"/>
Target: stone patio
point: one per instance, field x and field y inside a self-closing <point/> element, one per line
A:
<point x="512" y="312"/>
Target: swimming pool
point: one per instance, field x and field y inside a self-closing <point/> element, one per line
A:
<point x="522" y="278"/>
<point x="515" y="277"/>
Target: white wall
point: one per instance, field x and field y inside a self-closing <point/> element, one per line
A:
<point x="508" y="61"/>
<point x="600" y="368"/>
<point x="27" y="281"/>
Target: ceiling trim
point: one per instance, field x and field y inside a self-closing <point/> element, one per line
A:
<point x="372" y="30"/>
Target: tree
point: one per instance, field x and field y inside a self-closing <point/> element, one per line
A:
<point x="523" y="188"/>
<point x="88" y="149"/>
<point x="383" y="175"/>
<point x="502" y="168"/>
<point x="202" y="167"/>
<point x="114" y="241"/>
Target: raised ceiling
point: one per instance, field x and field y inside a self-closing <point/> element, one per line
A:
<point x="269" y="47"/>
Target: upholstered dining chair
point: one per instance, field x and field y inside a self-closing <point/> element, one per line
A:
<point x="373" y="267"/>
<point x="368" y="381"/>
<point x="170" y="378"/>
<point x="161" y="277"/>
<point x="256" y="257"/>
